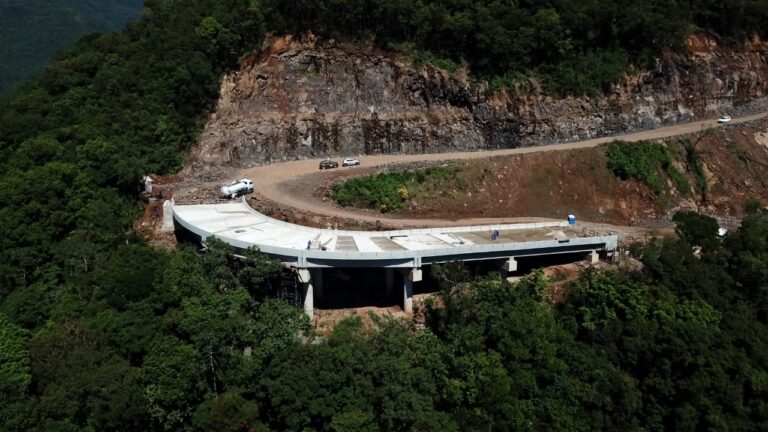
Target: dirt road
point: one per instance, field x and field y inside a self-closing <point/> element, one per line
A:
<point x="272" y="180"/>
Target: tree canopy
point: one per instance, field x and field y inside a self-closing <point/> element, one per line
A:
<point x="99" y="331"/>
<point x="32" y="31"/>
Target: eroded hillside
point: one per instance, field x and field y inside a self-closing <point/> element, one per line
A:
<point x="310" y="97"/>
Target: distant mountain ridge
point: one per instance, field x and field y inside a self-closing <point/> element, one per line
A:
<point x="33" y="31"/>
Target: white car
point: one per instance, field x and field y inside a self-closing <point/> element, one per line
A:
<point x="236" y="188"/>
<point x="724" y="119"/>
<point x="350" y="162"/>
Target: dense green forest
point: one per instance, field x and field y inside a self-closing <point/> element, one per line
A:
<point x="182" y="341"/>
<point x="98" y="331"/>
<point x="32" y="31"/>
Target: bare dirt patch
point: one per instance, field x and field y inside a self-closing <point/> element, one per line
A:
<point x="307" y="218"/>
<point x="325" y="320"/>
<point x="550" y="185"/>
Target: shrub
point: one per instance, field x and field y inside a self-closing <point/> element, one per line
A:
<point x="694" y="162"/>
<point x="640" y="160"/>
<point x="753" y="205"/>
<point x="647" y="162"/>
<point x="424" y="57"/>
<point x="682" y="183"/>
<point x="387" y="192"/>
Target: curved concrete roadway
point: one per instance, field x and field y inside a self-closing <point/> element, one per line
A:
<point x="242" y="227"/>
<point x="270" y="179"/>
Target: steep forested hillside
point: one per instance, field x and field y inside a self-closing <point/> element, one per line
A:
<point x="100" y="332"/>
<point x="32" y="31"/>
<point x="573" y="46"/>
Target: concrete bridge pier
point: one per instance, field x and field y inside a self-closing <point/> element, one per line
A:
<point x="168" y="225"/>
<point x="408" y="296"/>
<point x="593" y="257"/>
<point x="411" y="276"/>
<point x="305" y="278"/>
<point x="509" y="266"/>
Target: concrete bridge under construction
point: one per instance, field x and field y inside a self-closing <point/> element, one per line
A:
<point x="401" y="255"/>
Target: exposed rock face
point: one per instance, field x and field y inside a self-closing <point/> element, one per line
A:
<point x="307" y="98"/>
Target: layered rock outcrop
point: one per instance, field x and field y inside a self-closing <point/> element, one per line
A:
<point x="311" y="98"/>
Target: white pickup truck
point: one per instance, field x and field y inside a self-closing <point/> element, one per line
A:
<point x="236" y="189"/>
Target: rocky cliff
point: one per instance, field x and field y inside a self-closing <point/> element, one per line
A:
<point x="310" y="98"/>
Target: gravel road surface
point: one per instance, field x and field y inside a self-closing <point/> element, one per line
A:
<point x="272" y="180"/>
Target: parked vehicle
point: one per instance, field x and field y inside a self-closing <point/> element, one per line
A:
<point x="350" y="162"/>
<point x="236" y="188"/>
<point x="724" y="119"/>
<point x="328" y="164"/>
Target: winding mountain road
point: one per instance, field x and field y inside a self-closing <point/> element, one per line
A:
<point x="273" y="181"/>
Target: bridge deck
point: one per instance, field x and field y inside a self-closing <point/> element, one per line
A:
<point x="240" y="221"/>
<point x="242" y="226"/>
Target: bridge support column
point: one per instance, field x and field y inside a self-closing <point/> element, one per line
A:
<point x="413" y="275"/>
<point x="408" y="296"/>
<point x="507" y="267"/>
<point x="510" y="265"/>
<point x="309" y="292"/>
<point x="593" y="257"/>
<point x="167" y="217"/>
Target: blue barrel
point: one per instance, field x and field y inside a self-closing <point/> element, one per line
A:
<point x="571" y="220"/>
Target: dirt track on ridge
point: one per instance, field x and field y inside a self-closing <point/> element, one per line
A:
<point x="273" y="180"/>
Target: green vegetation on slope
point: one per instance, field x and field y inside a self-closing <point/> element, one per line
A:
<point x="693" y="158"/>
<point x="32" y="31"/>
<point x="387" y="192"/>
<point x="98" y="331"/>
<point x="113" y="107"/>
<point x="651" y="163"/>
<point x="194" y="343"/>
<point x="574" y="46"/>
